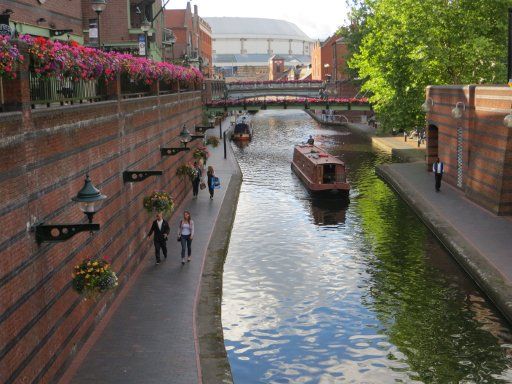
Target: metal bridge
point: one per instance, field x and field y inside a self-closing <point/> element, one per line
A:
<point x="289" y="103"/>
<point x="244" y="90"/>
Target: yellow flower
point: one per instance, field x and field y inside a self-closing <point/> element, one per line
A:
<point x="89" y="264"/>
<point x="90" y="270"/>
<point x="87" y="276"/>
<point x="95" y="263"/>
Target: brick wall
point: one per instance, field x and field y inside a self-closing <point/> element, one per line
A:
<point x="63" y="14"/>
<point x="44" y="157"/>
<point x="486" y="161"/>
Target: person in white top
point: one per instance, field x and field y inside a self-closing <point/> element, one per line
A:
<point x="186" y="235"/>
<point x="438" y="169"/>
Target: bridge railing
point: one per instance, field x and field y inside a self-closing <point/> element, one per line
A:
<point x="247" y="86"/>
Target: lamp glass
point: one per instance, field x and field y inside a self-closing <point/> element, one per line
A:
<point x="185" y="136"/>
<point x="89" y="198"/>
<point x="145" y="26"/>
<point x="457" y="112"/>
<point x="507" y="121"/>
<point x="425" y="107"/>
<point x="98" y="5"/>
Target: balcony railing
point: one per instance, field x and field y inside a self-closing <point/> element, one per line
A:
<point x="53" y="90"/>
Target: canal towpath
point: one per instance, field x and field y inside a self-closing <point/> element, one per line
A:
<point x="480" y="241"/>
<point x="156" y="333"/>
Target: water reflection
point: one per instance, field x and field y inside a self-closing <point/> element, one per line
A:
<point x="323" y="291"/>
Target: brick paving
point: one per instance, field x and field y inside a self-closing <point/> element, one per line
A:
<point x="151" y="336"/>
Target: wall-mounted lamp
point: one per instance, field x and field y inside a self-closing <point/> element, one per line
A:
<point x="136" y="176"/>
<point x="507" y="121"/>
<point x="7" y="12"/>
<point x="185" y="138"/>
<point x="89" y="199"/>
<point x="459" y="109"/>
<point x="427" y="105"/>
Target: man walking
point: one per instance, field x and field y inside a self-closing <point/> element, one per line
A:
<point x="438" y="169"/>
<point x="161" y="230"/>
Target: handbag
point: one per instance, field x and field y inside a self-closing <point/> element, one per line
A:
<point x="216" y="183"/>
<point x="179" y="239"/>
<point x="202" y="185"/>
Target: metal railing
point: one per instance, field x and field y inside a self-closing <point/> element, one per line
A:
<point x="131" y="88"/>
<point x="48" y="91"/>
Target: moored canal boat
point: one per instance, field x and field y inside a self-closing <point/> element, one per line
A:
<point x="318" y="170"/>
<point x="243" y="129"/>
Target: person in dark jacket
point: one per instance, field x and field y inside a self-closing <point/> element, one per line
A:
<point x="160" y="230"/>
<point x="438" y="169"/>
<point x="196" y="179"/>
<point x="211" y="177"/>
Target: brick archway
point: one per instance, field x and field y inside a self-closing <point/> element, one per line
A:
<point x="432" y="145"/>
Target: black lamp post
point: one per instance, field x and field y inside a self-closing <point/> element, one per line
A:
<point x="145" y="26"/>
<point x="98" y="6"/>
<point x="90" y="199"/>
<point x="509" y="77"/>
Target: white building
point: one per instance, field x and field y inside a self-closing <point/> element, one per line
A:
<point x="240" y="43"/>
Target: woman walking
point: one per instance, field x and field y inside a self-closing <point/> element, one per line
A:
<point x="196" y="178"/>
<point x="211" y="180"/>
<point x="185" y="235"/>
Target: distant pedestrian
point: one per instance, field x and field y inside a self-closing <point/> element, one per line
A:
<point x="405" y="135"/>
<point x="419" y="140"/>
<point x="438" y="169"/>
<point x="196" y="179"/>
<point x="311" y="141"/>
<point x="185" y="236"/>
<point x="211" y="180"/>
<point x="160" y="228"/>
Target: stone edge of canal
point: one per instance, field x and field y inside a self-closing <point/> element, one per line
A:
<point x="212" y="351"/>
<point x="476" y="265"/>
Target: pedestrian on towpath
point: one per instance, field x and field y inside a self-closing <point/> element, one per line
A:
<point x="311" y="141"/>
<point x="160" y="230"/>
<point x="405" y="135"/>
<point x="196" y="179"/>
<point x="185" y="236"/>
<point x="438" y="169"/>
<point x="211" y="180"/>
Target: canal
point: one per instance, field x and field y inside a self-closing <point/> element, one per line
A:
<point x="321" y="291"/>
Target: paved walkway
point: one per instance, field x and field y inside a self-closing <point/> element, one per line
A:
<point x="151" y="336"/>
<point x="405" y="150"/>
<point x="479" y="240"/>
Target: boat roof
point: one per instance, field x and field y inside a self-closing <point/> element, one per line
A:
<point x="317" y="155"/>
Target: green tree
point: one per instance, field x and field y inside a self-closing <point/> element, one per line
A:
<point x="401" y="46"/>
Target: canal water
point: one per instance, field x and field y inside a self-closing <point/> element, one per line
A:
<point x="323" y="291"/>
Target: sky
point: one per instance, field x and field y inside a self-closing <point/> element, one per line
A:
<point x="318" y="19"/>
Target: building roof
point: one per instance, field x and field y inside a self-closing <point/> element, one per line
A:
<point x="175" y="18"/>
<point x="254" y="27"/>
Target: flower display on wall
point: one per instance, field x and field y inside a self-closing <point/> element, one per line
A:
<point x="10" y="58"/>
<point x="63" y="59"/>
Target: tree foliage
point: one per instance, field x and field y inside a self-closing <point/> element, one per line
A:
<point x="398" y="47"/>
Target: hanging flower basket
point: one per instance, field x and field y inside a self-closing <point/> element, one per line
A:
<point x="186" y="170"/>
<point x="92" y="277"/>
<point x="158" y="202"/>
<point x="213" y="141"/>
<point x="10" y="58"/>
<point x="201" y="153"/>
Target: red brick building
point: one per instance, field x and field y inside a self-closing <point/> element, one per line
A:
<point x="120" y="25"/>
<point x="474" y="143"/>
<point x="46" y="19"/>
<point x="328" y="59"/>
<point x="193" y="37"/>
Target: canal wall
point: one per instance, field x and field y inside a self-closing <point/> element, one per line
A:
<point x="479" y="241"/>
<point x="45" y="155"/>
<point x="212" y="351"/>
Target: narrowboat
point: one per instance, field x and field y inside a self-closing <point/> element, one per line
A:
<point x="243" y="129"/>
<point x="318" y="170"/>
